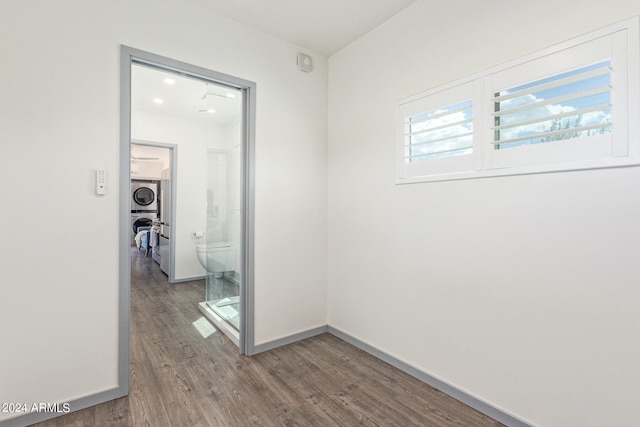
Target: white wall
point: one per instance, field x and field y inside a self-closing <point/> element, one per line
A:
<point x="148" y="169"/>
<point x="521" y="291"/>
<point x="191" y="137"/>
<point x="59" y="111"/>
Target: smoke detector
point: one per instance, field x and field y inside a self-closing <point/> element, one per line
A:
<point x="305" y="63"/>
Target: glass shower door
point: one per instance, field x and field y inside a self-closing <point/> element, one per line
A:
<point x="224" y="222"/>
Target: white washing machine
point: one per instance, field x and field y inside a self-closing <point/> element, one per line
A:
<point x="138" y="220"/>
<point x="144" y="196"/>
<point x="144" y="204"/>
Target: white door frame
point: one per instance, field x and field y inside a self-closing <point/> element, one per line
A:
<point x="130" y="56"/>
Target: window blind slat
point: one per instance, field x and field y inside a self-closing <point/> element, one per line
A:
<point x="606" y="69"/>
<point x="409" y="121"/>
<point x="556" y="100"/>
<point x="439" y="140"/>
<point x="548" y="134"/>
<point x="432" y="153"/>
<point x="447" y="125"/>
<point x="540" y="119"/>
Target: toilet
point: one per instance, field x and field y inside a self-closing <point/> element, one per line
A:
<point x="217" y="257"/>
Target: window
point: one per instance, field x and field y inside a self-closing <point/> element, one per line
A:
<point x="570" y="105"/>
<point x="444" y="132"/>
<point x="564" y="108"/>
<point x="438" y="131"/>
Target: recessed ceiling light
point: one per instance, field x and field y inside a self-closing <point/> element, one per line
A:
<point x="169" y="81"/>
<point x="231" y="95"/>
<point x="158" y="100"/>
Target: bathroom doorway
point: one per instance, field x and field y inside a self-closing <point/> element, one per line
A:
<point x="213" y="225"/>
<point x="153" y="176"/>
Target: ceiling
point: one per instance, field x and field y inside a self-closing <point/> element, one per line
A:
<point x="183" y="97"/>
<point x="324" y="26"/>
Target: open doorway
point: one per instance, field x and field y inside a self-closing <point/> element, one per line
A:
<point x="203" y="119"/>
<point x="153" y="182"/>
<point x="214" y="215"/>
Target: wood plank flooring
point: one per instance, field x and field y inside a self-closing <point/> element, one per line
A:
<point x="179" y="378"/>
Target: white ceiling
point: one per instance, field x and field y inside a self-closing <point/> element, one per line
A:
<point x="324" y="26"/>
<point x="184" y="98"/>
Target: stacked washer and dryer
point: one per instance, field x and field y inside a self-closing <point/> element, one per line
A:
<point x="144" y="204"/>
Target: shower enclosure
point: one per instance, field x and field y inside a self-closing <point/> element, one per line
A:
<point x="223" y="233"/>
<point x="224" y="218"/>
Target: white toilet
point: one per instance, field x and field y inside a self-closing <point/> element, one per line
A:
<point x="217" y="257"/>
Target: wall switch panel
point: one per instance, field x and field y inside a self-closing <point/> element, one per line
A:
<point x="101" y="181"/>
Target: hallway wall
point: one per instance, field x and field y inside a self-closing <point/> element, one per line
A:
<point x="190" y="137"/>
<point x="59" y="121"/>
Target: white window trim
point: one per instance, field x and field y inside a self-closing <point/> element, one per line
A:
<point x="625" y="148"/>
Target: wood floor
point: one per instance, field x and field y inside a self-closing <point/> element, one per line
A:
<point x="179" y="378"/>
